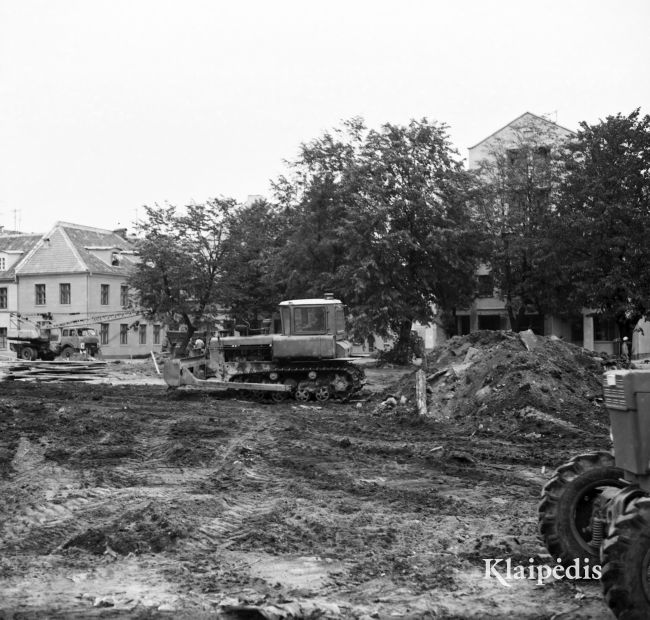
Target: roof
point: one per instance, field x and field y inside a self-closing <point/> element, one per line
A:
<point x="530" y="114"/>
<point x="67" y="249"/>
<point x="16" y="244"/>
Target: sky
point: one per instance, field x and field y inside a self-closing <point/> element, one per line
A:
<point x="106" y="106"/>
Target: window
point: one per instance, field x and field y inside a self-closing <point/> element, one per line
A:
<point x="64" y="294"/>
<point x="604" y="329"/>
<point x="103" y="333"/>
<point x="142" y="331"/>
<point x="3" y="263"/>
<point x="3" y="337"/>
<point x="156" y="334"/>
<point x="3" y="297"/>
<point x="489" y="321"/>
<point x="124" y="295"/>
<point x="40" y="294"/>
<point x="339" y="319"/>
<point x="534" y="322"/>
<point x="124" y="333"/>
<point x="104" y="294"/>
<point x="309" y="320"/>
<point x="516" y="157"/>
<point x="577" y="329"/>
<point x="541" y="155"/>
<point x="485" y="286"/>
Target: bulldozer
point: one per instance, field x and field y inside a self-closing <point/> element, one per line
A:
<point x="309" y="359"/>
<point x="596" y="508"/>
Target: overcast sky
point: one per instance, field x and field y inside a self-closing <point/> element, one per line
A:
<point x="106" y="106"/>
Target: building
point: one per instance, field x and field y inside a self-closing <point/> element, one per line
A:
<point x="517" y="133"/>
<point x="528" y="141"/>
<point x="76" y="272"/>
<point x="13" y="249"/>
<point x="524" y="144"/>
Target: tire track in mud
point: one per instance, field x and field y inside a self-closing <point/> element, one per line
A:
<point x="248" y="480"/>
<point x="250" y="489"/>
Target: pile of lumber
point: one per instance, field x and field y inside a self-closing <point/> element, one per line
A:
<point x="52" y="371"/>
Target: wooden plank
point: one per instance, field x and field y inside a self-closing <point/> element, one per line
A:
<point x="421" y="392"/>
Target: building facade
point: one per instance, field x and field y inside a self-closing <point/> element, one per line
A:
<point x="13" y="249"/>
<point x="77" y="273"/>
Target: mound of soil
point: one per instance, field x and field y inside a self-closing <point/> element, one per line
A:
<point x="506" y="382"/>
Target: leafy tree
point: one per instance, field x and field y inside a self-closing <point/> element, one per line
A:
<point x="415" y="246"/>
<point x="315" y="202"/>
<point x="380" y="218"/>
<point x="514" y="196"/>
<point x="180" y="268"/>
<point x="602" y="225"/>
<point x="250" y="290"/>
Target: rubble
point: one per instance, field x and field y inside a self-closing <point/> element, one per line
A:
<point x="497" y="379"/>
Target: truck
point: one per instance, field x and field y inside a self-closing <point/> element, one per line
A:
<point x="596" y="508"/>
<point x="32" y="339"/>
<point x="311" y="357"/>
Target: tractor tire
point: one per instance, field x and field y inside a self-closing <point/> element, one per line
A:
<point x="626" y="563"/>
<point x="565" y="511"/>
<point x="28" y="353"/>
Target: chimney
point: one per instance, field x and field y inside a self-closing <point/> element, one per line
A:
<point x="121" y="232"/>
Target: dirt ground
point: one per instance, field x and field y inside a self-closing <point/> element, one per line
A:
<point x="133" y="501"/>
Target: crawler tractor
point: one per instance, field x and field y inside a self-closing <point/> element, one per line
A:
<point x="310" y="358"/>
<point x="596" y="508"/>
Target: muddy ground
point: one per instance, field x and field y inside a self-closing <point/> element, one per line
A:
<point x="131" y="501"/>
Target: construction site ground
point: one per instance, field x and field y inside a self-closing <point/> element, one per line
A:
<point x="129" y="500"/>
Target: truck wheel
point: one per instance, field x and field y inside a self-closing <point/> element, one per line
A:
<point x="28" y="353"/>
<point x="626" y="563"/>
<point x="67" y="353"/>
<point x="568" y="498"/>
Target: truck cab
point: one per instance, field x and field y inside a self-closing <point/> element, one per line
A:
<point x="76" y="339"/>
<point x="312" y="328"/>
<point x="302" y="317"/>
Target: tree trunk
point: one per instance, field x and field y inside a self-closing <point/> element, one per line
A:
<point x="448" y="319"/>
<point x="421" y="392"/>
<point x="402" y="349"/>
<point x="183" y="349"/>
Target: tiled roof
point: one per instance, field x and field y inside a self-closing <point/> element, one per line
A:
<point x="14" y="244"/>
<point x="65" y="250"/>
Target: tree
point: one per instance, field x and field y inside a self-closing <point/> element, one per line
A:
<point x="602" y="224"/>
<point x="315" y="203"/>
<point x="514" y="197"/>
<point x="180" y="266"/>
<point x="380" y="218"/>
<point x="249" y="288"/>
<point x="416" y="247"/>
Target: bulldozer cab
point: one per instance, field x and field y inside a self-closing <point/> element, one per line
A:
<point x="305" y="317"/>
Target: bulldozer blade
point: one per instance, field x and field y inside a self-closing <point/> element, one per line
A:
<point x="176" y="375"/>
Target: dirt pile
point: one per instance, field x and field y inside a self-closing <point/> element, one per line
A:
<point x="507" y="382"/>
